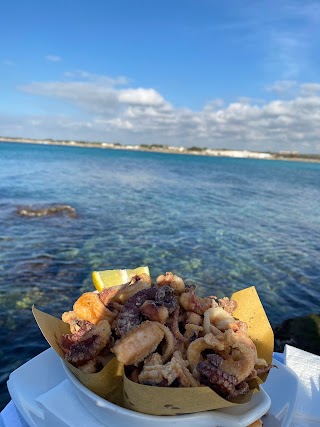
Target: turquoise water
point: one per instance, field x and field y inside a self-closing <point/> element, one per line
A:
<point x="221" y="223"/>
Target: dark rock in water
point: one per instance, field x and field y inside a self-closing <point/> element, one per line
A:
<point x="47" y="211"/>
<point x="301" y="332"/>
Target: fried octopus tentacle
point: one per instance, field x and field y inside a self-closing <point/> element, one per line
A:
<point x="89" y="344"/>
<point x="130" y="315"/>
<point x="165" y="296"/>
<point x="175" y="326"/>
<point x="212" y="375"/>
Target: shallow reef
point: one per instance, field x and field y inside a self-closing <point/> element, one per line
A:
<point x="300" y="332"/>
<point x="47" y="211"/>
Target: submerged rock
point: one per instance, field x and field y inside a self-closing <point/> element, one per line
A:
<point x="301" y="332"/>
<point x="53" y="210"/>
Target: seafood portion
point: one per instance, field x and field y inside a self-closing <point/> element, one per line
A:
<point x="165" y="335"/>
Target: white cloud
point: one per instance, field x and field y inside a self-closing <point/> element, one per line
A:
<point x="140" y="96"/>
<point x="309" y="89"/>
<point x="53" y="58"/>
<point x="282" y="87"/>
<point x="81" y="75"/>
<point x="109" y="112"/>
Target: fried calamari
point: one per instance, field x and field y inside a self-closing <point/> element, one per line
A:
<point x="165" y="335"/>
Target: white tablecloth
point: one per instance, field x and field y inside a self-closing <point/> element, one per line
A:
<point x="306" y="366"/>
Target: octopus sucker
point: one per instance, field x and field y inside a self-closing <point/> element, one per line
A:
<point x="212" y="375"/>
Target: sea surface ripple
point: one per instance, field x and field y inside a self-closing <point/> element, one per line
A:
<point x="221" y="223"/>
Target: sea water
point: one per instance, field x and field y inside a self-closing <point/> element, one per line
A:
<point x="221" y="223"/>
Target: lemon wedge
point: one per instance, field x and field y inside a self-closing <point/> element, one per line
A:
<point x="108" y="278"/>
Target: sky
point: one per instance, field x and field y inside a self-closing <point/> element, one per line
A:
<point x="237" y="74"/>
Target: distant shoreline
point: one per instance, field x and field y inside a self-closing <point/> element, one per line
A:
<point x="244" y="154"/>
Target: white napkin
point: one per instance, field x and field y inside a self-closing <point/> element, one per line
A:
<point x="10" y="417"/>
<point x="307" y="367"/>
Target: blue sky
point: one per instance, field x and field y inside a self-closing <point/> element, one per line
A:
<point x="235" y="74"/>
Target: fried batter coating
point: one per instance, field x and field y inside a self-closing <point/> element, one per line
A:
<point x="191" y="302"/>
<point x="195" y="349"/>
<point x="69" y="316"/>
<point x="170" y="342"/>
<point x="228" y="304"/>
<point x="242" y="357"/>
<point x="180" y="338"/>
<point x="192" y="331"/>
<point x="213" y="317"/>
<point x="137" y="283"/>
<point x="76" y="325"/>
<point x="88" y="344"/>
<point x="90" y="307"/>
<point x="188" y="377"/>
<point x="153" y="359"/>
<point x="175" y="326"/>
<point x="89" y="367"/>
<point x="138" y="343"/>
<point x="218" y="319"/>
<point x="175" y="282"/>
<point x="238" y="350"/>
<point x="193" y="318"/>
<point x="131" y="315"/>
<point x="151" y="311"/>
<point x="159" y="374"/>
<point x="109" y="293"/>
